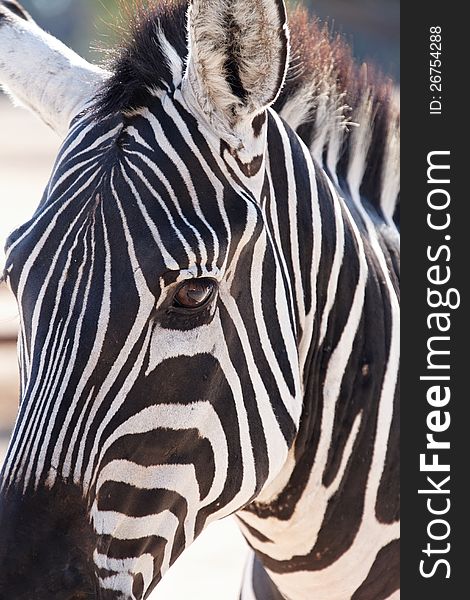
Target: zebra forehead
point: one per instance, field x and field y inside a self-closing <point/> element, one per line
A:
<point x="148" y="181"/>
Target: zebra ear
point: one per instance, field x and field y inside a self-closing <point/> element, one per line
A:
<point x="238" y="55"/>
<point x="40" y="72"/>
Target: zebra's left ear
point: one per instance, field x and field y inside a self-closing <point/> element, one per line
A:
<point x="238" y="56"/>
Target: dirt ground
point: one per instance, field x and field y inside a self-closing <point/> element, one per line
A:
<point x="212" y="567"/>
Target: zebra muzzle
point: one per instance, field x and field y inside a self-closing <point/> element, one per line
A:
<point x="46" y="544"/>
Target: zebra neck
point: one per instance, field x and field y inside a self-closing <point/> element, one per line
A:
<point x="329" y="521"/>
<point x="300" y="549"/>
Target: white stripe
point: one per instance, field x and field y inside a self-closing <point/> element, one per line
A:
<point x="173" y="59"/>
<point x="122" y="527"/>
<point x="165" y="145"/>
<point x="170" y="262"/>
<point x="293" y="202"/>
<point x="336" y="265"/>
<point x="32" y="408"/>
<point x="103" y="321"/>
<point x="173" y="477"/>
<point x="141" y="323"/>
<point x="177" y="231"/>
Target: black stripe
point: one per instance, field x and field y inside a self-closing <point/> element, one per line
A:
<point x="387" y="506"/>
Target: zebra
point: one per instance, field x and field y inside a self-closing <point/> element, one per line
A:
<point x="209" y="317"/>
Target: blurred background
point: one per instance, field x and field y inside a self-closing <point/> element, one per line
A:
<point x="371" y="26"/>
<point x="211" y="569"/>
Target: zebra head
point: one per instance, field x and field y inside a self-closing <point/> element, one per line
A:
<point x="160" y="385"/>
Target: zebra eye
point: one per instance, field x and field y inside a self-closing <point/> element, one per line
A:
<point x="194" y="293"/>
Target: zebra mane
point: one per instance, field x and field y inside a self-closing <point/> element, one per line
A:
<point x="346" y="113"/>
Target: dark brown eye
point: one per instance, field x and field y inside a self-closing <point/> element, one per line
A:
<point x="194" y="293"/>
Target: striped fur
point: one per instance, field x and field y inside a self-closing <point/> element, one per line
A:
<point x="277" y="400"/>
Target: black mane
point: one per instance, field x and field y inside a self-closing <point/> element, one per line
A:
<point x="140" y="62"/>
